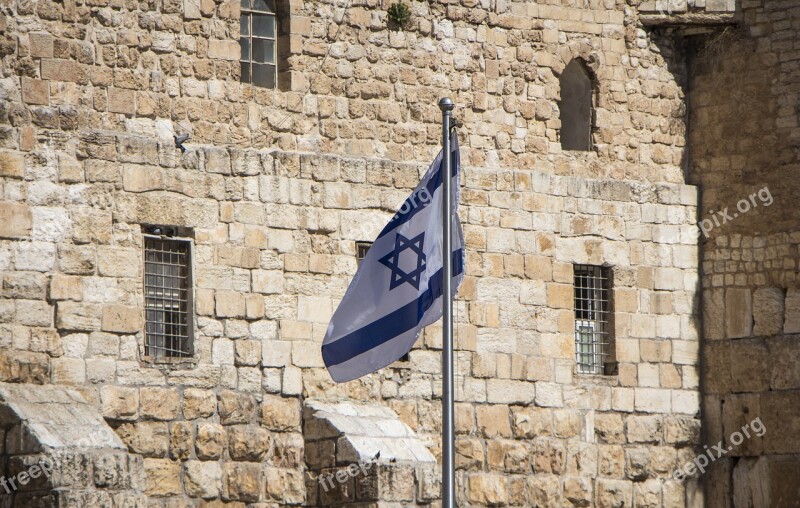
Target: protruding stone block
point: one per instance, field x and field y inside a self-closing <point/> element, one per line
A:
<point x="768" y="311"/>
<point x="738" y="313"/>
<point x="15" y="220"/>
<point x="122" y="319"/>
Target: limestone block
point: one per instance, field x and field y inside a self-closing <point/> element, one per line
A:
<point x="181" y="440"/>
<point x="34" y="313"/>
<point x="163" y="477"/>
<point x="202" y="479"/>
<point x="748" y="358"/>
<point x="210" y="441"/>
<point x="507" y="391"/>
<point x="35" y="91"/>
<point x="549" y="456"/>
<point x="248" y="352"/>
<point x="65" y="287"/>
<point x="507" y="455"/>
<point x="141" y="178"/>
<point x="613" y="493"/>
<point x="12" y="165"/>
<point x="560" y="296"/>
<point x="117" y="262"/>
<point x="611" y="461"/>
<point x="91" y="225"/>
<point x="549" y="394"/>
<point x="235" y="407"/>
<point x="68" y="371"/>
<point x="292" y="382"/>
<point x="230" y="304"/>
<point x="681" y="430"/>
<point x="469" y="454"/>
<point x="122" y="319"/>
<point x="487" y="489"/>
<point x="532" y="422"/>
<point x="644" y="429"/>
<point x="15" y="220"/>
<point x="223" y="49"/>
<point x="241" y="481"/>
<point x="76" y="316"/>
<point x="119" y="403"/>
<point x="41" y="44"/>
<point x="159" y="403"/>
<point x="76" y="259"/>
<point x="609" y="428"/>
<point x="217" y="160"/>
<point x="652" y="400"/>
<point x="280" y="414"/>
<point x="121" y="101"/>
<point x="783" y="434"/>
<point x="791" y="322"/>
<point x="248" y="443"/>
<point x="149" y="439"/>
<point x="768" y="311"/>
<point x="637" y="463"/>
<point x="737" y="412"/>
<point x="494" y="420"/>
<point x="198" y="403"/>
<point x="738" y="313"/>
<point x="70" y="170"/>
<point x="578" y="491"/>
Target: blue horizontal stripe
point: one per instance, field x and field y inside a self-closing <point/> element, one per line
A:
<point x="391" y="325"/>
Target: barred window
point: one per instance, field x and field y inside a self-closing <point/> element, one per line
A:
<point x="361" y="252"/>
<point x="168" y="297"/>
<point x="258" y="42"/>
<point x="593" y="319"/>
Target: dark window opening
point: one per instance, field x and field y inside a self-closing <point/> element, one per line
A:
<point x="593" y="320"/>
<point x="168" y="297"/>
<point x="575" y="107"/>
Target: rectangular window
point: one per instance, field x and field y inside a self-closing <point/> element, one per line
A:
<point x="361" y="252"/>
<point x="168" y="297"/>
<point x="593" y="325"/>
<point x="258" y="43"/>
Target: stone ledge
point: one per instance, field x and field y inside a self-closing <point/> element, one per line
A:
<point x="361" y="433"/>
<point x="688" y="20"/>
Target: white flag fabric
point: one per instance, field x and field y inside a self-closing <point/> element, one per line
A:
<point x="397" y="290"/>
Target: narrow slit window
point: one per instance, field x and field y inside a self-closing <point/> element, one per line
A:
<point x="168" y="298"/>
<point x="593" y="325"/>
<point x="258" y="43"/>
<point x="361" y="252"/>
<point x="575" y="106"/>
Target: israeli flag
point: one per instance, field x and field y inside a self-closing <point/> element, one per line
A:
<point x="397" y="290"/>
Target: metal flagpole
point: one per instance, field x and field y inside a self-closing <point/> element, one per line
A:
<point x="448" y="439"/>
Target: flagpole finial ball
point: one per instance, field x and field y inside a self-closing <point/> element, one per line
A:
<point x="446" y="104"/>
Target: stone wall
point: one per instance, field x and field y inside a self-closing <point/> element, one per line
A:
<point x="277" y="186"/>
<point x="743" y="131"/>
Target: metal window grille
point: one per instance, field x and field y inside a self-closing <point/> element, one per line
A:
<point x="168" y="297"/>
<point x="361" y="252"/>
<point x="258" y="43"/>
<point x="592" y="317"/>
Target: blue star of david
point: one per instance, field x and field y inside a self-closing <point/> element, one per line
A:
<point x="392" y="261"/>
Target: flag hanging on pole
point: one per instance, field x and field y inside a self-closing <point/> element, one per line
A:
<point x="397" y="289"/>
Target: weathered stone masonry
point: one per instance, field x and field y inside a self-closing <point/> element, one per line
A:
<point x="277" y="186"/>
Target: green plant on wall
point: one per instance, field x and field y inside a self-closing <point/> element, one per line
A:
<point x="399" y="13"/>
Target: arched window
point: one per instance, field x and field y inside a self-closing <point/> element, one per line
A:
<point x="576" y="107"/>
